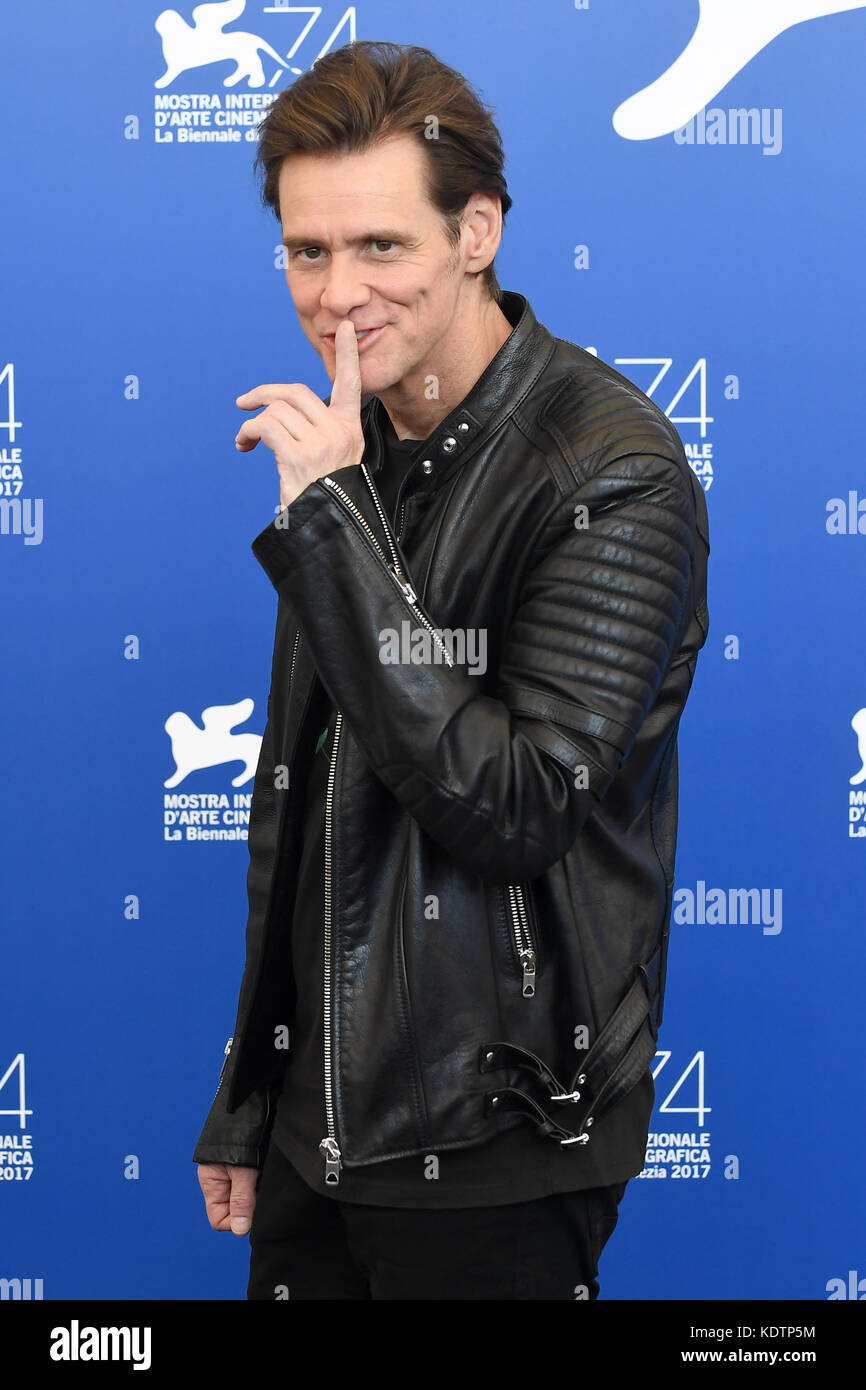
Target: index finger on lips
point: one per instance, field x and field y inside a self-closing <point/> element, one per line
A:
<point x="346" y="395"/>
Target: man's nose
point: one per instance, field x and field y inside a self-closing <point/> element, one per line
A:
<point x="344" y="287"/>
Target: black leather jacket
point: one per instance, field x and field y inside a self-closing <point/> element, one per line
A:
<point x="499" y="844"/>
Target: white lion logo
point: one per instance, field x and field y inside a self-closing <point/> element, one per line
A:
<point x="728" y="35"/>
<point x="194" y="748"/>
<point x="858" y="724"/>
<point x="195" y="45"/>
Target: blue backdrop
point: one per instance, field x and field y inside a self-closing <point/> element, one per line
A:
<point x="706" y="238"/>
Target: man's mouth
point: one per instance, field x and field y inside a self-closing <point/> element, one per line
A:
<point x="362" y="335"/>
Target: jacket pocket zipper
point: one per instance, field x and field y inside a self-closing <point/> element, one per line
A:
<point x="329" y="1147"/>
<point x="394" y="568"/>
<point x="524" y="942"/>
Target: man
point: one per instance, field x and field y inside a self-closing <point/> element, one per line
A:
<point x="491" y="566"/>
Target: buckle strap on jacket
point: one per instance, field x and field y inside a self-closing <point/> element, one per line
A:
<point x="624" y="1076"/>
<point x="510" y="1098"/>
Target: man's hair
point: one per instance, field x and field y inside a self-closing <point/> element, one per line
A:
<point x="364" y="92"/>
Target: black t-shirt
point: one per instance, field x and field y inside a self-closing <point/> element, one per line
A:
<point x="516" y="1166"/>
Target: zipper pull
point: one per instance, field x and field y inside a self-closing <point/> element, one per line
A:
<point x="328" y="1148"/>
<point x="527" y="959"/>
<point x="408" y="592"/>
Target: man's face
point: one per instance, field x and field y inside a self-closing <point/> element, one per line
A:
<point x="363" y="242"/>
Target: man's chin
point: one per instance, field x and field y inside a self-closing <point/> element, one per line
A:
<point x="375" y="377"/>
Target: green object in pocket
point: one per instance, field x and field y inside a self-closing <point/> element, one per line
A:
<point x="322" y="736"/>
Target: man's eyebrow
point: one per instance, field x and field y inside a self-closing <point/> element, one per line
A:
<point x="295" y="243"/>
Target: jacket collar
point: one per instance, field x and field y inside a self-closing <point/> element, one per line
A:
<point x="502" y="386"/>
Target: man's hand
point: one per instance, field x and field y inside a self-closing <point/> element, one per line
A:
<point x="229" y="1195"/>
<point x="309" y="439"/>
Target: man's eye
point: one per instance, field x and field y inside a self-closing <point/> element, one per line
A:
<point x="381" y="244"/>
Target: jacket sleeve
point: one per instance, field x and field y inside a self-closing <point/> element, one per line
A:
<point x="503" y="781"/>
<point x="240" y="1137"/>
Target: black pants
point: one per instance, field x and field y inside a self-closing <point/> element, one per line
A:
<point x="305" y="1246"/>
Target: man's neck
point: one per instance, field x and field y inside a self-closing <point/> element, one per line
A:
<point x="457" y="362"/>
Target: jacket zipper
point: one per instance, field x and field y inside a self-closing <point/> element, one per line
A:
<point x="523" y="941"/>
<point x="329" y="1147"/>
<point x="294" y="654"/>
<point x="228" y="1049"/>
<point x="393" y="569"/>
